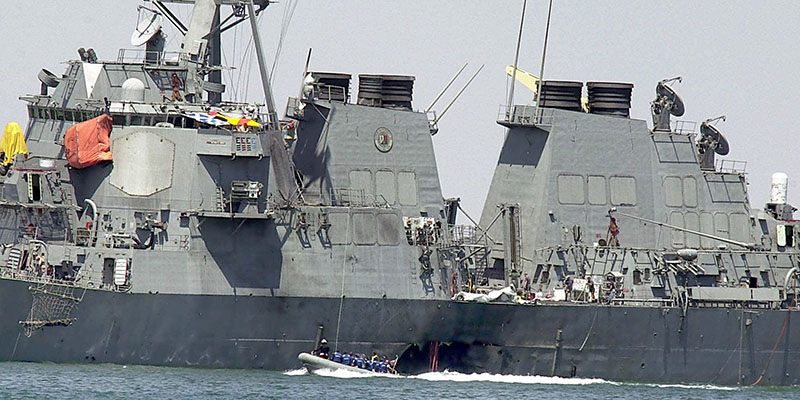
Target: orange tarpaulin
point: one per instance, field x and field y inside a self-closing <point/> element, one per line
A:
<point x="87" y="143"/>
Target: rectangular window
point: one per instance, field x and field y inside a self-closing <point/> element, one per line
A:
<point x="364" y="228"/>
<point x="676" y="219"/>
<point x="597" y="190"/>
<point x="721" y="225"/>
<point x="389" y="229"/>
<point x="570" y="189"/>
<point x="692" y="222"/>
<point x="339" y="233"/>
<point x="690" y="191"/>
<point x="673" y="191"/>
<point x="407" y="188"/>
<point x="385" y="187"/>
<point x="707" y="226"/>
<point x="361" y="186"/>
<point x="740" y="227"/>
<point x="623" y="190"/>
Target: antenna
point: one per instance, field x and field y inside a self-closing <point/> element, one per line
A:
<point x="516" y="56"/>
<point x="667" y="103"/>
<point x="446" y="87"/>
<point x="711" y="142"/>
<point x="305" y="74"/>
<point x="456" y="98"/>
<point x="541" y="68"/>
<point x="146" y="28"/>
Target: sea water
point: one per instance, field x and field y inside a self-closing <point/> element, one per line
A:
<point x="106" y="381"/>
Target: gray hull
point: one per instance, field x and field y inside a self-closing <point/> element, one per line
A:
<point x="645" y="344"/>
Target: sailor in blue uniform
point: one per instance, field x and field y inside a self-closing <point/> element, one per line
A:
<point x="346" y="359"/>
<point x="337" y="357"/>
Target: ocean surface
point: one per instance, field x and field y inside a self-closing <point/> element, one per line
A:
<point x="107" y="381"/>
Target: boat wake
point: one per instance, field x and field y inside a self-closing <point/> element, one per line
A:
<point x="487" y="377"/>
<point x="345" y="374"/>
<point x="449" y="376"/>
<point x="552" y="380"/>
<point x="296" y="372"/>
<point x="685" y="386"/>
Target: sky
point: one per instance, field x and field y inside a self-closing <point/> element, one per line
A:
<point x="737" y="58"/>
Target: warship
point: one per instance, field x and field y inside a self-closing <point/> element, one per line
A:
<point x="145" y="220"/>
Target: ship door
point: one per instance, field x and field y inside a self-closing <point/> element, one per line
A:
<point x="108" y="271"/>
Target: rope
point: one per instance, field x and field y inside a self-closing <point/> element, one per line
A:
<point x="590" y="330"/>
<point x="288" y="13"/>
<point x="733" y="352"/>
<point x="341" y="298"/>
<point x="774" y="348"/>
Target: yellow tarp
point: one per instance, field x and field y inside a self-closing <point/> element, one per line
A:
<point x="13" y="143"/>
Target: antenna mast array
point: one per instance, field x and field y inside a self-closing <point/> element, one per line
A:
<point x="711" y="142"/>
<point x="667" y="103"/>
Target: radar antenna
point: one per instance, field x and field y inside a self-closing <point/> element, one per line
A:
<point x="148" y="32"/>
<point x="667" y="103"/>
<point x="711" y="142"/>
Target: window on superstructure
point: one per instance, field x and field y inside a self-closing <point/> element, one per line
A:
<point x="361" y="187"/>
<point x="407" y="188"/>
<point x="389" y="232"/>
<point x="623" y="190"/>
<point x="364" y="228"/>
<point x="570" y="189"/>
<point x="637" y="277"/>
<point x="690" y="191"/>
<point x="692" y="222"/>
<point x="739" y="227"/>
<point x="707" y="226"/>
<point x="597" y="190"/>
<point x="676" y="219"/>
<point x="385" y="187"/>
<point x="721" y="225"/>
<point x="339" y="233"/>
<point x="673" y="191"/>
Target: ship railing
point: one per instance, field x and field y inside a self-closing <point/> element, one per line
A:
<point x="731" y="166"/>
<point x="28" y="276"/>
<point x="325" y="92"/>
<point x="524" y="116"/>
<point x="155" y="58"/>
<point x="682" y="127"/>
<point x="294" y="108"/>
<point x="343" y="197"/>
<point x="356" y="198"/>
<point x="467" y="234"/>
<point x="644" y="302"/>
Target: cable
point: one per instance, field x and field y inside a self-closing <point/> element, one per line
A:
<point x="588" y="333"/>
<point x="341" y="298"/>
<point x="772" y="354"/>
<point x="288" y="13"/>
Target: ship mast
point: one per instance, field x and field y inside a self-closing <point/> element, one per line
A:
<point x="262" y="67"/>
<point x="201" y="45"/>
